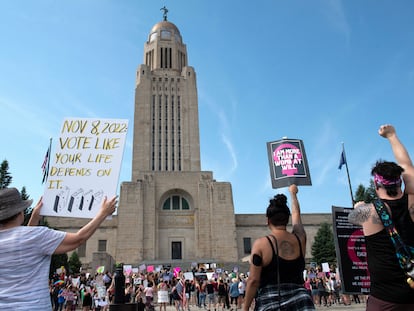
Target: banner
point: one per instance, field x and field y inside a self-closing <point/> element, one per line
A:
<point x="84" y="167"/>
<point x="350" y="252"/>
<point x="288" y="163"/>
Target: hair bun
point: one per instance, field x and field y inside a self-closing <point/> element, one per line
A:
<point x="280" y="200"/>
<point x="278" y="206"/>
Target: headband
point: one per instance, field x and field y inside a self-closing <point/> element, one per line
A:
<point x="386" y="182"/>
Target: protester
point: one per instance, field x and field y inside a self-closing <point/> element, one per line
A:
<point x="149" y="296"/>
<point x="70" y="298"/>
<point x="87" y="300"/>
<point x="211" y="299"/>
<point x="389" y="289"/>
<point x="162" y="295"/>
<point x="26" y="251"/>
<point x="221" y="294"/>
<point x="203" y="294"/>
<point x="241" y="286"/>
<point x="178" y="294"/>
<point x="140" y="304"/>
<point x="278" y="262"/>
<point x="234" y="292"/>
<point x="60" y="299"/>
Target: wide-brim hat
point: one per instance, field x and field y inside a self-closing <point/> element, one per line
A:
<point x="11" y="203"/>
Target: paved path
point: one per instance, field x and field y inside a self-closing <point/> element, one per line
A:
<point x="352" y="307"/>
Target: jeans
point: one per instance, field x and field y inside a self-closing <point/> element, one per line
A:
<point x="202" y="297"/>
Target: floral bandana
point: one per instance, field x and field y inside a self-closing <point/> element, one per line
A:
<point x="379" y="180"/>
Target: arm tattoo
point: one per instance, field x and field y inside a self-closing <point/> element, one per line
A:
<point x="299" y="229"/>
<point x="360" y="215"/>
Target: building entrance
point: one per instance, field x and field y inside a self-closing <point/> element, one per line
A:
<point x="176" y="250"/>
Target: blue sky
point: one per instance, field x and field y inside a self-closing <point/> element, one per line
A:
<point x="322" y="71"/>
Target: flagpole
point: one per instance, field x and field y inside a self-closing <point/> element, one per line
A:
<point x="50" y="155"/>
<point x="347" y="173"/>
<point x="47" y="159"/>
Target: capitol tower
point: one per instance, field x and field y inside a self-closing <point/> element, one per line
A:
<point x="171" y="211"/>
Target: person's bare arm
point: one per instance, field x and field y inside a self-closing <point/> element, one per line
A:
<point x="297" y="226"/>
<point x="255" y="269"/>
<point x="401" y="155"/>
<point x="74" y="240"/>
<point x="35" y="217"/>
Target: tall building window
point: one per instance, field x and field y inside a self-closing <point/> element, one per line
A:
<point x="166" y="132"/>
<point x="153" y="133"/>
<point x="102" y="246"/>
<point x="159" y="131"/>
<point x="172" y="134"/>
<point x="247" y="244"/>
<point x="179" y="131"/>
<point x="82" y="250"/>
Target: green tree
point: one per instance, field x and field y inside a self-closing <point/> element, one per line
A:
<point x="323" y="247"/>
<point x="5" y="176"/>
<point x="371" y="194"/>
<point x="360" y="193"/>
<point x="74" y="263"/>
<point x="366" y="194"/>
<point x="23" y="194"/>
<point x="28" y="211"/>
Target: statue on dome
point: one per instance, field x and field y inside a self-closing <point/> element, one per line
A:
<point x="165" y="11"/>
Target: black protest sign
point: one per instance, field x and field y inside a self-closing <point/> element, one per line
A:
<point x="351" y="253"/>
<point x="288" y="163"/>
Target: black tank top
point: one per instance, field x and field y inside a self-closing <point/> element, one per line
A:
<point x="290" y="271"/>
<point x="401" y="218"/>
<point x="388" y="281"/>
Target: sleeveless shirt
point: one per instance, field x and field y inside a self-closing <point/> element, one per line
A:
<point x="290" y="271"/>
<point x="388" y="281"/>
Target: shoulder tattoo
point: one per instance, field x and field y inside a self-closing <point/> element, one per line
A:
<point x="359" y="215"/>
<point x="286" y="248"/>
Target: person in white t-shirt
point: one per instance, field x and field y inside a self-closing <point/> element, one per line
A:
<point x="242" y="289"/>
<point x="26" y="251"/>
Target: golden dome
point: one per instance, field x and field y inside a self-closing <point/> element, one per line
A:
<point x="165" y="25"/>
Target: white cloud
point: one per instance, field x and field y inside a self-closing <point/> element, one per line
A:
<point x="232" y="152"/>
<point x="225" y="130"/>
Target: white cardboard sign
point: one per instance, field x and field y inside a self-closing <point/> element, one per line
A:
<point x="84" y="167"/>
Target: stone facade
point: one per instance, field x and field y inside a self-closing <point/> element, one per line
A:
<point x="124" y="246"/>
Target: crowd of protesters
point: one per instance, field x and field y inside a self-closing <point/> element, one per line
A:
<point x="325" y="289"/>
<point x="199" y="288"/>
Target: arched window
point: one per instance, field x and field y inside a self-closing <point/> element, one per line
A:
<point x="176" y="203"/>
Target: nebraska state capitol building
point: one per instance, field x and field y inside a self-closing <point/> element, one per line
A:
<point x="172" y="212"/>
